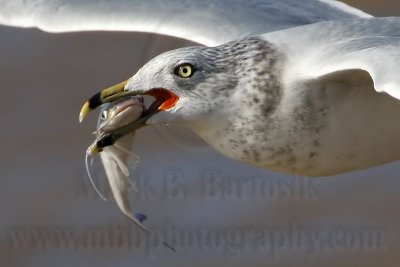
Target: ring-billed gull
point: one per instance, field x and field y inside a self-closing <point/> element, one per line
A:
<point x="322" y="56"/>
<point x="300" y="101"/>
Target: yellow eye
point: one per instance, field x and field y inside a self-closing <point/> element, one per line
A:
<point x="184" y="70"/>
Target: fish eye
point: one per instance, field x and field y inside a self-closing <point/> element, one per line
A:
<point x="104" y="114"/>
<point x="185" y="70"/>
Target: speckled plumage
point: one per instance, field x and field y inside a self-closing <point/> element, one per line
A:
<point x="237" y="93"/>
<point x="269" y="102"/>
<point x="256" y="129"/>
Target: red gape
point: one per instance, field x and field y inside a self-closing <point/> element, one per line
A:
<point x="169" y="99"/>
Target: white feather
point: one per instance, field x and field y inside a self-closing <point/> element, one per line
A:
<point x="314" y="51"/>
<point x="205" y="22"/>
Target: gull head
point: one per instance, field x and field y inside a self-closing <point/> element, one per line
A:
<point x="203" y="88"/>
<point x="190" y="86"/>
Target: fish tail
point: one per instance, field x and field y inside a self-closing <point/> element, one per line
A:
<point x="147" y="230"/>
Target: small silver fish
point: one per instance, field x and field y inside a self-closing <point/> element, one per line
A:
<point x="116" y="157"/>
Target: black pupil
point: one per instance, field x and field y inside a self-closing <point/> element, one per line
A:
<point x="185" y="70"/>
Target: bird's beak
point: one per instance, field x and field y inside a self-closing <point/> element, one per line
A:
<point x="164" y="99"/>
<point x="101" y="98"/>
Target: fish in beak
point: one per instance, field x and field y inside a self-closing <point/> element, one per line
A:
<point x="116" y="157"/>
<point x="164" y="99"/>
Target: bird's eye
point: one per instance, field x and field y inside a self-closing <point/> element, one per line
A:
<point x="104" y="114"/>
<point x="185" y="70"/>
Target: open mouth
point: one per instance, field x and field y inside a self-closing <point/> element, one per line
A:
<point x="129" y="108"/>
<point x="164" y="99"/>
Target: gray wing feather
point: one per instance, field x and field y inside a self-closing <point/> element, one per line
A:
<point x="205" y="22"/>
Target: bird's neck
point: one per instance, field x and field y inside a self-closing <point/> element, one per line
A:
<point x="249" y="120"/>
